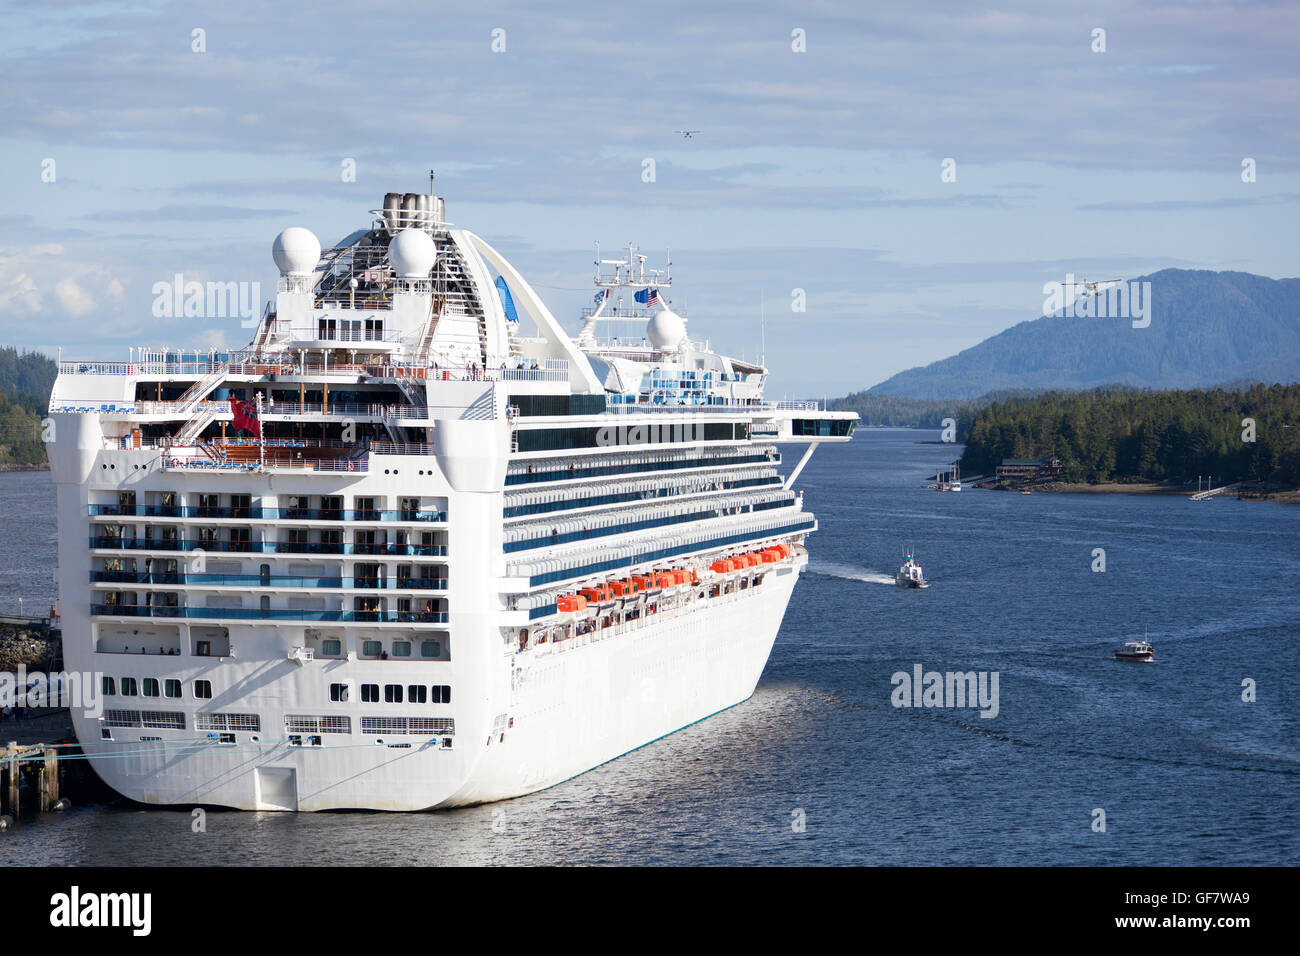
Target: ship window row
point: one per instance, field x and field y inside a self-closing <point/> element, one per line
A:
<point x="166" y="605"/>
<point x="521" y="473"/>
<point x="394" y="693"/>
<point x="169" y="504"/>
<point x="365" y="576"/>
<point x="822" y="427"/>
<point x="572" y="404"/>
<point x="575" y="530"/>
<point x="554" y="570"/>
<point x="132" y="687"/>
<point x="519" y="505"/>
<point x="381" y="542"/>
<point x="561" y="439"/>
<point x="143" y="687"/>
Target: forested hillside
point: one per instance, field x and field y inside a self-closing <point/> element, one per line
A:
<point x="1126" y="434"/>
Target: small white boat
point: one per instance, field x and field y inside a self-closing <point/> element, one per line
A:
<point x="1135" y="651"/>
<point x="909" y="574"/>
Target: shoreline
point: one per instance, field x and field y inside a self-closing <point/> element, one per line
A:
<point x="44" y="466"/>
<point x="1141" y="488"/>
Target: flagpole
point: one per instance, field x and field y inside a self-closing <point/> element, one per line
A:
<point x="261" y="436"/>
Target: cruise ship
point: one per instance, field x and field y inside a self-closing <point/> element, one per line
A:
<point x="416" y="547"/>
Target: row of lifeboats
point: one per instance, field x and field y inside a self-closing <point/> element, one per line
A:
<point x="752" y="559"/>
<point x="677" y="580"/>
<point x="611" y="592"/>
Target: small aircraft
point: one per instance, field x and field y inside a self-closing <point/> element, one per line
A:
<point x="1095" y="288"/>
<point x="687" y="133"/>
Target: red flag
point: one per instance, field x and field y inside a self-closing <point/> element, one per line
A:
<point x="245" y="417"/>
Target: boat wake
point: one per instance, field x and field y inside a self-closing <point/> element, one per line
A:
<point x="849" y="573"/>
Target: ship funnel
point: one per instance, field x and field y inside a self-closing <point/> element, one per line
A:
<point x="392" y="212"/>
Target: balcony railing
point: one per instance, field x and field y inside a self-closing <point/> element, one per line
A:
<point x="266" y="514"/>
<point x="268" y="614"/>
<point x="265" y="547"/>
<point x="155" y="578"/>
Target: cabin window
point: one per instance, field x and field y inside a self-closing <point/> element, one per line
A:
<point x="339" y="693"/>
<point x="441" y="693"/>
<point x="151" y="687"/>
<point x="371" y="648"/>
<point x="392" y="693"/>
<point x="401" y="648"/>
<point x="129" y="688"/>
<point x="203" y="690"/>
<point x="417" y="694"/>
<point x="430" y="648"/>
<point x="108" y="686"/>
<point x="172" y="688"/>
<point x="370" y="693"/>
<point x="331" y="648"/>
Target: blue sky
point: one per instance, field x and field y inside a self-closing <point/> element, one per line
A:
<point x="816" y="170"/>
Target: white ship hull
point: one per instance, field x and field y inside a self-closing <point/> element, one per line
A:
<point x="414" y="547"/>
<point x="573" y="708"/>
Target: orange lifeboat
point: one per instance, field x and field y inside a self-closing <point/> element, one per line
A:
<point x="570" y="602"/>
<point x="601" y="594"/>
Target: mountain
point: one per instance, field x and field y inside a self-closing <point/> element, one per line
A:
<point x="1206" y="328"/>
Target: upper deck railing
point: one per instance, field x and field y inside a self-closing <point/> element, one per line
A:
<point x="548" y="370"/>
<point x="638" y="408"/>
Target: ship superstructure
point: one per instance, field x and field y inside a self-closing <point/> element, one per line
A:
<point x="415" y="546"/>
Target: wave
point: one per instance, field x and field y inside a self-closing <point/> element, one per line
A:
<point x="832" y="570"/>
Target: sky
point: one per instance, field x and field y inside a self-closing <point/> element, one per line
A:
<point x="133" y="148"/>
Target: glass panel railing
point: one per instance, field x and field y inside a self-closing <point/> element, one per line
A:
<point x="269" y="614"/>
<point x="270" y="580"/>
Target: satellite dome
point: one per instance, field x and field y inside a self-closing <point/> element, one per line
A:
<point x="296" y="251"/>
<point x="412" y="253"/>
<point x="666" y="330"/>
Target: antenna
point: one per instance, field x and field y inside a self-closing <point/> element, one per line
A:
<point x="431" y="182"/>
<point x="762" y="327"/>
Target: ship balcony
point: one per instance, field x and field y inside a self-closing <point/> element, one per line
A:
<point x="168" y="545"/>
<point x="149" y="579"/>
<point x="309" y="410"/>
<point x="388" y="515"/>
<point x="380" y="617"/>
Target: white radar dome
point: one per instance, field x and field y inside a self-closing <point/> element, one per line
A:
<point x="666" y="330"/>
<point x="412" y="253"/>
<point x="296" y="251"/>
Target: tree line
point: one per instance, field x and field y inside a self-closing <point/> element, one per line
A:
<point x="25" y="382"/>
<point x="1247" y="433"/>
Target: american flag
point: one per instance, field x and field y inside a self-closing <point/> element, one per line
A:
<point x="648" y="296"/>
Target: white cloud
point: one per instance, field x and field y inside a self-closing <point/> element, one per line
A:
<point x="18" y="294"/>
<point x="74" y="300"/>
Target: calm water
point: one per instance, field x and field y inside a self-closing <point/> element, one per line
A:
<point x="1186" y="772"/>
